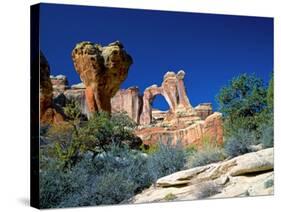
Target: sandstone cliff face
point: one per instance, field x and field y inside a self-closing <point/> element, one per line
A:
<point x="129" y="101"/>
<point x="48" y="113"/>
<point x="203" y="110"/>
<point x="192" y="134"/>
<point x="102" y="70"/>
<point x="125" y="100"/>
<point x="246" y="175"/>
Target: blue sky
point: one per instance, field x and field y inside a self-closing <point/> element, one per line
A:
<point x="211" y="49"/>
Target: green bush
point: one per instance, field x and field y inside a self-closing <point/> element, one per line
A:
<point x="95" y="135"/>
<point x="110" y="178"/>
<point x="269" y="183"/>
<point x="167" y="159"/>
<point x="267" y="136"/>
<point x="240" y="143"/>
<point x="150" y="149"/>
<point x="55" y="183"/>
<point x="205" y="156"/>
<point x="270" y="93"/>
<point x="170" y="197"/>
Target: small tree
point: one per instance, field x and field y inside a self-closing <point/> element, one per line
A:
<point x="73" y="113"/>
<point x="241" y="102"/>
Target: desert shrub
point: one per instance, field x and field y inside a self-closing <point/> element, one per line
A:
<point x="123" y="120"/>
<point x="269" y="183"/>
<point x="270" y="93"/>
<point x="96" y="135"/>
<point x="101" y="131"/>
<point x="92" y="163"/>
<point x="190" y="149"/>
<point x="205" y="156"/>
<point x="132" y="162"/>
<point x="207" y="189"/>
<point x="61" y="133"/>
<point x="267" y="136"/>
<point x="167" y="159"/>
<point x="150" y="149"/>
<point x="110" y="178"/>
<point x="170" y="197"/>
<point x="44" y="129"/>
<point x="55" y="183"/>
<point x="240" y="143"/>
<point x="72" y="110"/>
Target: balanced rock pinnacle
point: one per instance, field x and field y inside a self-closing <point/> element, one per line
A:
<point x="102" y="70"/>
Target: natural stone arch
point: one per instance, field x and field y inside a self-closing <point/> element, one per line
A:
<point x="173" y="90"/>
<point x="148" y="97"/>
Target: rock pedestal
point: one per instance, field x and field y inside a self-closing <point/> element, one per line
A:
<point x="102" y="70"/>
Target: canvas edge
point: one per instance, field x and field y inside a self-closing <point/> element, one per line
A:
<point x="34" y="104"/>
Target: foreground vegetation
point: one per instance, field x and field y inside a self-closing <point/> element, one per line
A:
<point x="99" y="162"/>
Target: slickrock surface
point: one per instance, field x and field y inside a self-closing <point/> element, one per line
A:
<point x="246" y="175"/>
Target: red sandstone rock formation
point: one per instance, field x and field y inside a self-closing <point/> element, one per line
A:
<point x="102" y="70"/>
<point x="129" y="101"/>
<point x="48" y="113"/>
<point x="193" y="134"/>
<point x="173" y="90"/>
<point x="203" y="110"/>
<point x="213" y="128"/>
<point x="59" y="83"/>
<point x="182" y="122"/>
